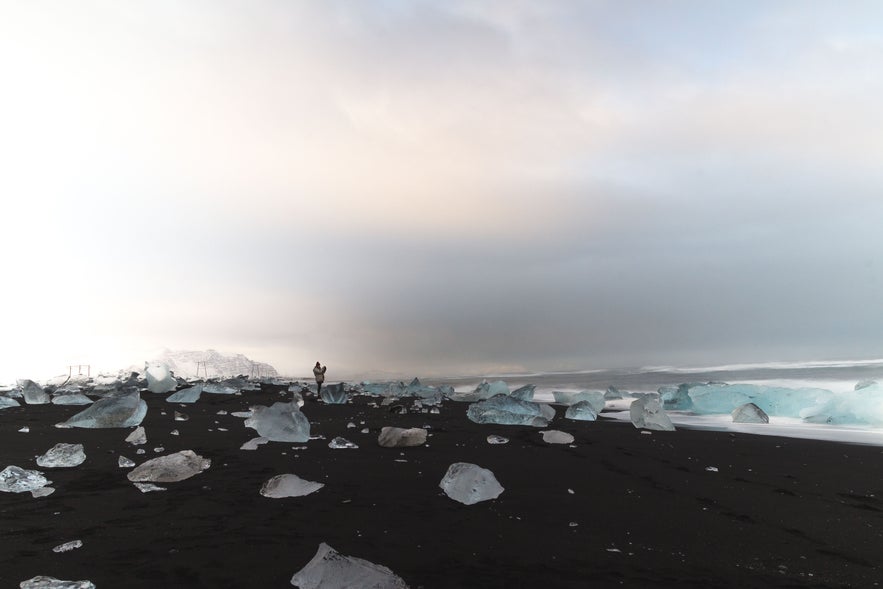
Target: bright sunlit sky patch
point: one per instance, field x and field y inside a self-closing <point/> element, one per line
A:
<point x="441" y="187"/>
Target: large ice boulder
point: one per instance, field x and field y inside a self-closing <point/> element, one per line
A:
<point x="70" y="399"/>
<point x="124" y="410"/>
<point x="170" y="468"/>
<point x="749" y="413"/>
<point x="581" y="411"/>
<point x="647" y="413"/>
<point x="62" y="456"/>
<point x="288" y="485"/>
<point x="188" y="395"/>
<point x="334" y="394"/>
<point x="863" y="406"/>
<point x="677" y="397"/>
<point x="33" y="393"/>
<point x="507" y="410"/>
<point x="594" y="398"/>
<point x="6" y="402"/>
<point x="396" y="437"/>
<point x="524" y="393"/>
<point x="280" y="422"/>
<point x="14" y="479"/>
<point x="220" y="388"/>
<point x="778" y="401"/>
<point x="329" y="569"/>
<point x="44" y="582"/>
<point x="469" y="483"/>
<point x="159" y="378"/>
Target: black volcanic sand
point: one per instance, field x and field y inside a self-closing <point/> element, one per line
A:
<point x="778" y="513"/>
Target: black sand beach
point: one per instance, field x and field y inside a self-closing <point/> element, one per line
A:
<point x="620" y="508"/>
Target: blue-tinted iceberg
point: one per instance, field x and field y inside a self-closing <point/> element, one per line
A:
<point x="581" y="411"/>
<point x="750" y="413"/>
<point x="124" y="410"/>
<point x="6" y="402"/>
<point x="329" y="569"/>
<point x="778" y="401"/>
<point x="280" y="422"/>
<point x="62" y="456"/>
<point x="595" y="398"/>
<point x="524" y="393"/>
<point x="647" y="413"/>
<point x="863" y="406"/>
<point x="506" y="410"/>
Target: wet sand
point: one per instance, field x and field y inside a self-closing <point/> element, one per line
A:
<point x="618" y="508"/>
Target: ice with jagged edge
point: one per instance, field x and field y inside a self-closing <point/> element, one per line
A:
<point x="280" y="422"/>
<point x="524" y="393"/>
<point x="288" y="485"/>
<point x="68" y="546"/>
<point x="253" y="443"/>
<point x="14" y="479"/>
<point x="33" y="393"/>
<point x="554" y="436"/>
<point x="597" y="399"/>
<point x="44" y="582"/>
<point x="159" y="378"/>
<point x="647" y="413"/>
<point x="188" y="395"/>
<point x="329" y="569"/>
<point x="62" y="455"/>
<point x="123" y="410"/>
<point x="582" y="411"/>
<point x="70" y="399"/>
<point x="6" y="402"/>
<point x="220" y="388"/>
<point x="750" y="413"/>
<point x="170" y="468"/>
<point x="775" y="401"/>
<point x="470" y="484"/>
<point x="339" y="443"/>
<point x="138" y="437"/>
<point x="507" y="410"/>
<point x="861" y="406"/>
<point x="334" y="394"/>
<point x="397" y="437"/>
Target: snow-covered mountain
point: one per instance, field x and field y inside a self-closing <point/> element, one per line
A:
<point x="211" y="363"/>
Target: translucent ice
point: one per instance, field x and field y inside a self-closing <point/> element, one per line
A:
<point x="124" y="410"/>
<point x="6" y="402"/>
<point x="170" y="468"/>
<point x="581" y="411"/>
<point x="647" y="413"/>
<point x="778" y="401"/>
<point x="469" y="483"/>
<point x="181" y="416"/>
<point x="216" y="388"/>
<point x="334" y="394"/>
<point x="188" y="395"/>
<point x="280" y="422"/>
<point x="341" y="443"/>
<point x="62" y="456"/>
<point x="138" y="436"/>
<point x="43" y="582"/>
<point x="749" y="413"/>
<point x="554" y="436"/>
<point x="613" y="393"/>
<point x="495" y="439"/>
<point x="148" y="487"/>
<point x="71" y="399"/>
<point x="68" y="546"/>
<point x="863" y="406"/>
<point x="507" y="410"/>
<point x="329" y="569"/>
<point x="14" y="479"/>
<point x="124" y="462"/>
<point x="524" y="393"/>
<point x="159" y="378"/>
<point x="594" y="398"/>
<point x="253" y="443"/>
<point x="288" y="485"/>
<point x="33" y="393"/>
<point x="396" y="437"/>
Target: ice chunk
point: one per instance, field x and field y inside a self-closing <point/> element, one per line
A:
<point x="24" y="429"/>
<point x="340" y="443"/>
<point x="125" y="410"/>
<point x="62" y="456"/>
<point x="495" y="439"/>
<point x="6" y="402"/>
<point x="331" y="570"/>
<point x="43" y="582"/>
<point x="33" y="393"/>
<point x="288" y="485"/>
<point x="507" y="410"/>
<point x="749" y="413"/>
<point x="280" y="422"/>
<point x="334" y="394"/>
<point x="396" y="437"/>
<point x="863" y="384"/>
<point x="181" y="416"/>
<point x="42" y="492"/>
<point x="581" y="411"/>
<point x="68" y="546"/>
<point x="149" y="487"/>
<point x="14" y="479"/>
<point x="188" y="395"/>
<point x="594" y="398"/>
<point x="159" y="378"/>
<point x="71" y="399"/>
<point x="613" y="393"/>
<point x="125" y="462"/>
<point x="554" y="436"/>
<point x="470" y="484"/>
<point x="861" y="407"/>
<point x="216" y="388"/>
<point x="647" y="412"/>
<point x="524" y="393"/>
<point x="779" y="401"/>
<point x="170" y="468"/>
<point x="138" y="436"/>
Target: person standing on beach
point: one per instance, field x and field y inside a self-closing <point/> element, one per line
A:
<point x="319" y="373"/>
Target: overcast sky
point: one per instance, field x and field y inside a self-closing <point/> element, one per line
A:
<point x="441" y="187"/>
